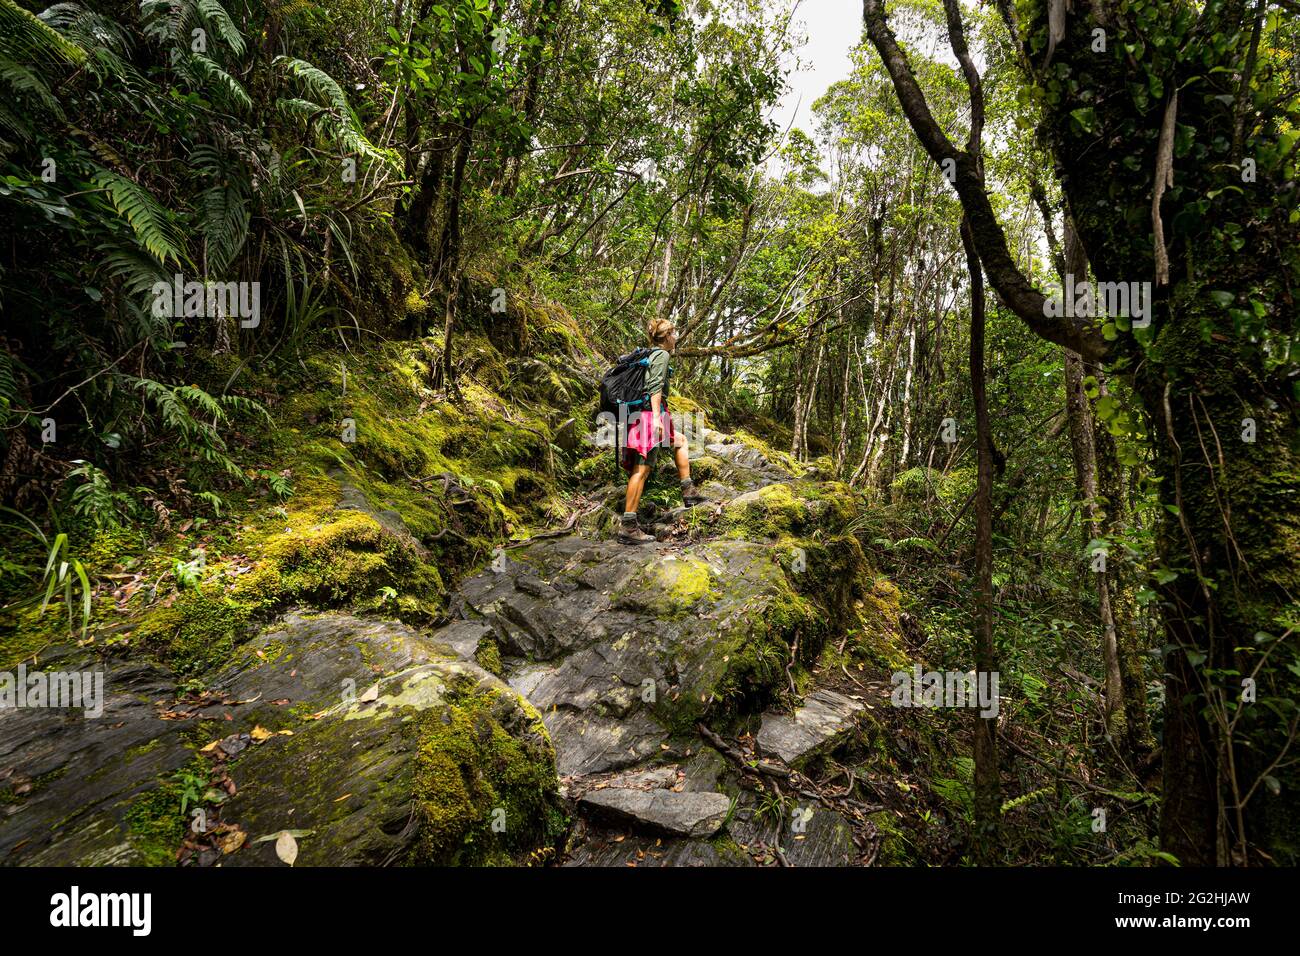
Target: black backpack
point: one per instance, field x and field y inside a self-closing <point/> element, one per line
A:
<point x="624" y="384"/>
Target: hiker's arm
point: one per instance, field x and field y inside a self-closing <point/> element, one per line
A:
<point x="656" y="376"/>
<point x="656" y="405"/>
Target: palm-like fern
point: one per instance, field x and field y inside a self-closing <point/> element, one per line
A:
<point x="31" y="51"/>
<point x="151" y="182"/>
<point x="204" y="73"/>
<point x="26" y="38"/>
<point x="180" y="406"/>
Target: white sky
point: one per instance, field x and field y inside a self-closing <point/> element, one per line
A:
<point x="831" y="29"/>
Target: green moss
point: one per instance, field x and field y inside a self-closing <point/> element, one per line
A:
<point x="705" y="468"/>
<point x="413" y="304"/>
<point x="156" y="825"/>
<point x="768" y="513"/>
<point x="879" y="638"/>
<point x="141" y="750"/>
<point x="671" y="588"/>
<point x="789" y="508"/>
<point x="470" y="774"/>
<point x="779" y="458"/>
<point x="729" y="852"/>
<point x="111" y="547"/>
<point x="895" y="848"/>
<point x="196" y="632"/>
<point x="684" y="582"/>
<point x="743" y="668"/>
<point x="488" y="656"/>
<point x="25" y="634"/>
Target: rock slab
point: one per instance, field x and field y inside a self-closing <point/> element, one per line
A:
<point x="690" y="814"/>
<point x="824" y="719"/>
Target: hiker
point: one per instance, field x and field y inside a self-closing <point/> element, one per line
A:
<point x="647" y="431"/>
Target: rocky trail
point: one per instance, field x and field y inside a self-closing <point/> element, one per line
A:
<point x="587" y="703"/>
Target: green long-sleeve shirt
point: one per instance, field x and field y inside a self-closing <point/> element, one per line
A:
<point x="658" y="374"/>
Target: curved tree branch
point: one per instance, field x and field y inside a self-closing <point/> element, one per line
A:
<point x="964" y="170"/>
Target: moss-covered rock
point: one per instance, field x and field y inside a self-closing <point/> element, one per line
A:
<point x="621" y="648"/>
<point x="446" y="765"/>
<point x="83" y="790"/>
<point x="790" y="508"/>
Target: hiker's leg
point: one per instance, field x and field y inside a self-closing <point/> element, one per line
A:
<point x="690" y="494"/>
<point x="683" y="460"/>
<point x="635" y="485"/>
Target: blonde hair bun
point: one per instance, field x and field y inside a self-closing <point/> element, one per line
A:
<point x="658" y="331"/>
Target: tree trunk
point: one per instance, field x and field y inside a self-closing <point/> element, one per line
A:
<point x="445" y="377"/>
<point x="1080" y="419"/>
<point x="1120" y="576"/>
<point x="988" y="787"/>
<point x="1233" y="538"/>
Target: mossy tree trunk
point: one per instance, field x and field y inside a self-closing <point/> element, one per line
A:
<point x="1083" y="446"/>
<point x="1231" y="533"/>
<point x="1230" y="525"/>
<point x="1120" y="580"/>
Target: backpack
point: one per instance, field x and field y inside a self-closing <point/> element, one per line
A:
<point x="623" y="387"/>
<point x="624" y="384"/>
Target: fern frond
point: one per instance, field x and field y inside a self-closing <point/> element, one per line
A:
<point x="199" y="439"/>
<point x="215" y="15"/>
<point x="248" y="406"/>
<point x="170" y="21"/>
<point x="8" y="386"/>
<point x="22" y="80"/>
<point x="25" y="38"/>
<point x="204" y="72"/>
<point x="16" y="127"/>
<point x="152" y="224"/>
<point x="338" y="121"/>
<point x="319" y="83"/>
<point x="87" y="28"/>
<point x="225" y="206"/>
<point x="1025" y="798"/>
<point x="137" y="271"/>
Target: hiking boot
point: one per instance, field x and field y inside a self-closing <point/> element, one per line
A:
<point x="691" y="495"/>
<point x="629" y="533"/>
